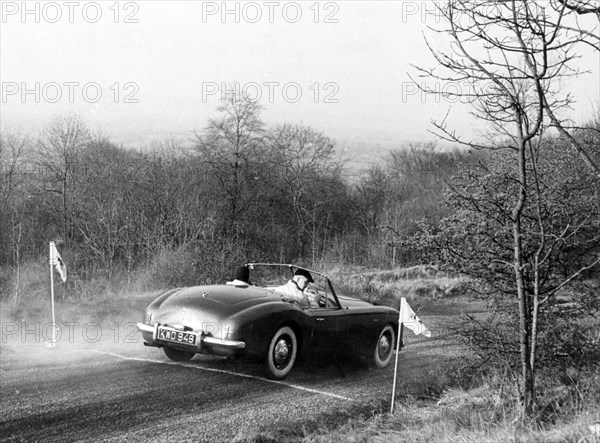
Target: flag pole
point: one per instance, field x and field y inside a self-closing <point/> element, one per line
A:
<point x="53" y="340"/>
<point x="397" y="353"/>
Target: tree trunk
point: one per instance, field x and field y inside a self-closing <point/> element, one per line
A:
<point x="17" y="247"/>
<point x="528" y="391"/>
<point x="524" y="325"/>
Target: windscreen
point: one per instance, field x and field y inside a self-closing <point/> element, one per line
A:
<point x="274" y="275"/>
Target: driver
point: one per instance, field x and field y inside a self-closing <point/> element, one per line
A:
<point x="295" y="290"/>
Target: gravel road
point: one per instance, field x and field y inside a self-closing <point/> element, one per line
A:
<point x="116" y="391"/>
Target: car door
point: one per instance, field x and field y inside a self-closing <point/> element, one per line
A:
<point x="327" y="329"/>
<point x="361" y="330"/>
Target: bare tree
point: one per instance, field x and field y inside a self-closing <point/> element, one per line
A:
<point x="230" y="146"/>
<point x="14" y="150"/>
<point x="513" y="55"/>
<point x="583" y="33"/>
<point x="371" y="193"/>
<point x="303" y="159"/>
<point x="59" y="155"/>
<point x="515" y="51"/>
<point x="14" y="153"/>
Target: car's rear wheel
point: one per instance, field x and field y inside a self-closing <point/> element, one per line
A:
<point x="283" y="350"/>
<point x="177" y="355"/>
<point x="384" y="348"/>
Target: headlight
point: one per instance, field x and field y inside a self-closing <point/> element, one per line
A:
<point x="148" y="318"/>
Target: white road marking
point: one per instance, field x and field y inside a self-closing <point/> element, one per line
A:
<point x="223" y="371"/>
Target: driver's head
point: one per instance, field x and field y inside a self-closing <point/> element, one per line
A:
<point x="302" y="278"/>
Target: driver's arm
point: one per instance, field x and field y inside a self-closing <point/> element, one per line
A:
<point x="316" y="299"/>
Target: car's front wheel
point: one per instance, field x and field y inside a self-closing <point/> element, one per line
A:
<point x="177" y="355"/>
<point x="282" y="353"/>
<point x="384" y="348"/>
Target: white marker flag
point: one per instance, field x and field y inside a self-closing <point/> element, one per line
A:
<point x="57" y="262"/>
<point x="409" y="319"/>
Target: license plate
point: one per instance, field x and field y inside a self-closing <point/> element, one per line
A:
<point x="176" y="336"/>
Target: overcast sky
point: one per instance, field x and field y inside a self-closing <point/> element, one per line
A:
<point x="147" y="69"/>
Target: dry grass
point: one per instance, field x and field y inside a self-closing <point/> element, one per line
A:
<point x="485" y="414"/>
<point x="418" y="423"/>
<point x="416" y="283"/>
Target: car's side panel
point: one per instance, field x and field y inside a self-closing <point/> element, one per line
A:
<point x="357" y="329"/>
<point x="363" y="330"/>
<point x="332" y="331"/>
<point x="256" y="325"/>
<point x="327" y="329"/>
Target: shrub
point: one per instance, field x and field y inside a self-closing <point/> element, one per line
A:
<point x="173" y="268"/>
<point x="33" y="291"/>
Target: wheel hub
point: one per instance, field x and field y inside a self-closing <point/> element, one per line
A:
<point x="281" y="351"/>
<point x="384" y="346"/>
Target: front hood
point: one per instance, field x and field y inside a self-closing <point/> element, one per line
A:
<point x="208" y="308"/>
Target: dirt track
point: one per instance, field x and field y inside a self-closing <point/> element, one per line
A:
<point x="124" y="391"/>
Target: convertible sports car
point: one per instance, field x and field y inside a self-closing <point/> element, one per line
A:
<point x="256" y="321"/>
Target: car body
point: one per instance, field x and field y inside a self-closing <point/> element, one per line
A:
<point x="255" y="321"/>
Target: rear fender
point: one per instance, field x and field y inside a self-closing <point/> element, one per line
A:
<point x="257" y="325"/>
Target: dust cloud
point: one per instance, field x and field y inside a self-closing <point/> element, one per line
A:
<point x="29" y="338"/>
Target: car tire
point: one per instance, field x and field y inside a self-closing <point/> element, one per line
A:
<point x="177" y="355"/>
<point x="384" y="348"/>
<point x="282" y="353"/>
